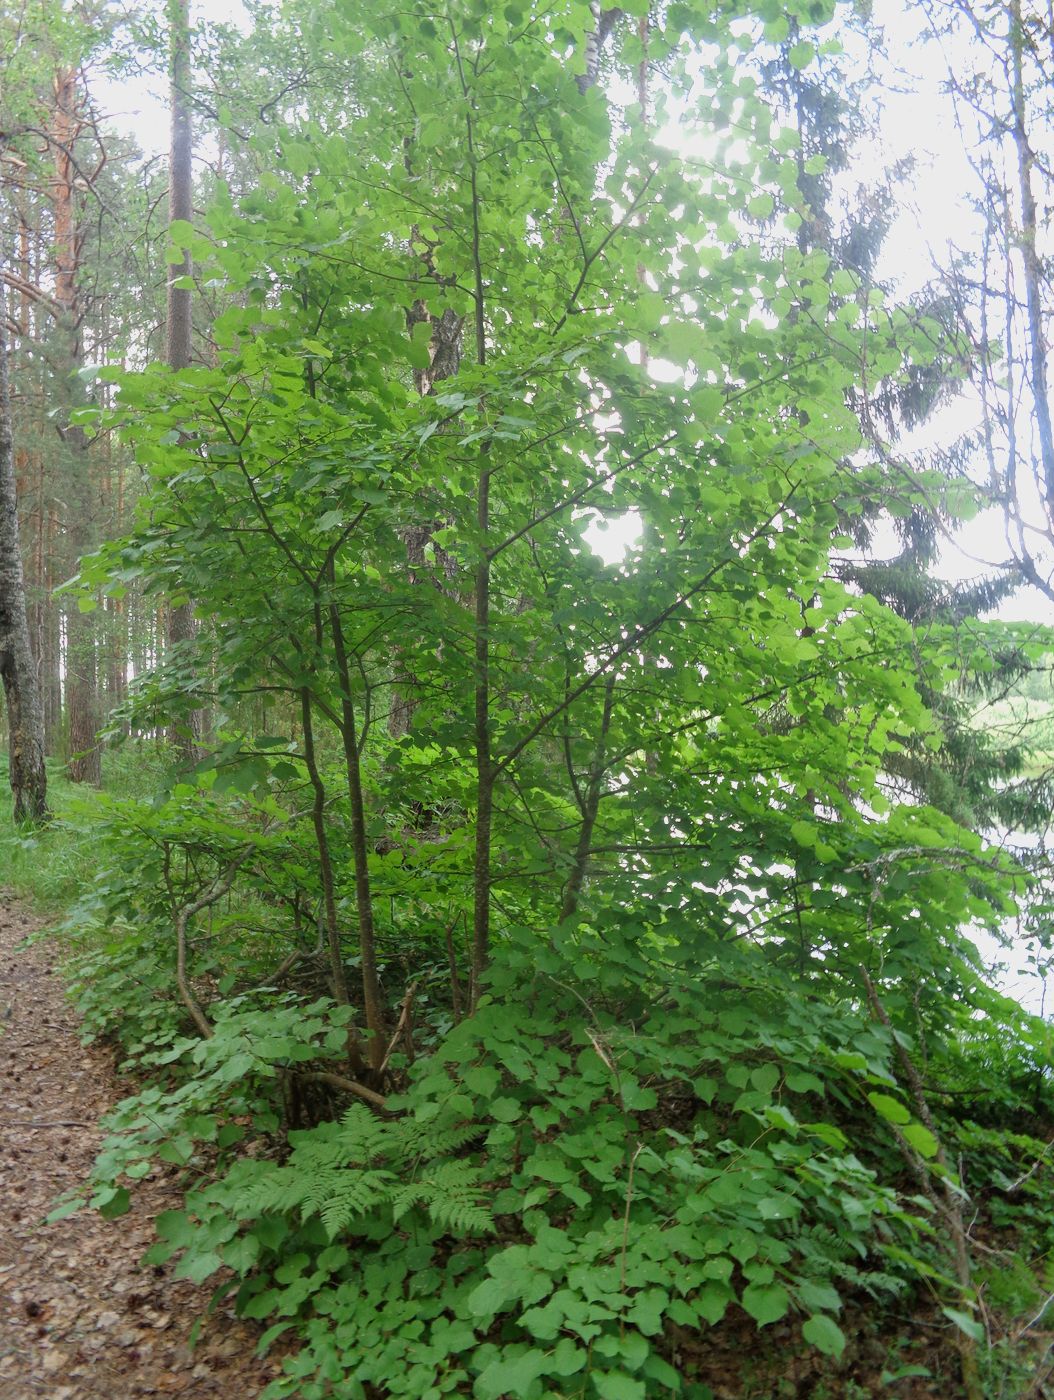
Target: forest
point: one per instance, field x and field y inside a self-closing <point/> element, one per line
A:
<point x="527" y="636"/>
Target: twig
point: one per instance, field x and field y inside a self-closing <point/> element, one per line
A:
<point x="951" y="1207"/>
<point x="1037" y="1386"/>
<point x="403" y="1025"/>
<point x="1047" y="1302"/>
<point x="51" y="1123"/>
<point x="625" y="1217"/>
<point x="1017" y="1185"/>
<point x="291" y="959"/>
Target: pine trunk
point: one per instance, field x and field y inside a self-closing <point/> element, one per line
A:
<point x="17" y="669"/>
<point x="84" y="757"/>
<point x="181" y="627"/>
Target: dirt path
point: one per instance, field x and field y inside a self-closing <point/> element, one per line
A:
<point x="79" y="1318"/>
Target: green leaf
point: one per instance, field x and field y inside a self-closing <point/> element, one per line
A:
<point x="271" y="1335"/>
<point x="801" y="1082"/>
<point x="707" y="401"/>
<point x="198" y="1267"/>
<point x="65" y="1210"/>
<point x="765" y="1078"/>
<point x="921" y="1139"/>
<point x="482" y="1080"/>
<point x="506" y="1110"/>
<point x="566" y="1359"/>
<point x="635" y="1097"/>
<point x="117" y="1201"/>
<point x="965" y="1323"/>
<point x="241" y="1253"/>
<point x="824" y="1334"/>
<point x="765" y="1302"/>
<point x="488" y="1297"/>
<point x="514" y="1376"/>
<point x="891" y="1109"/>
<point x="418" y="352"/>
<point x="617" y="1385"/>
<point x="712" y="1302"/>
<point x="818" y="1296"/>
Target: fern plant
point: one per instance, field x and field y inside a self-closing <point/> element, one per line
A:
<point x="340" y="1172"/>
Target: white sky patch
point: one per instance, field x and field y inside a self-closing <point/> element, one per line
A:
<point x="612" y="536"/>
<point x="917" y="119"/>
<point x="137" y="103"/>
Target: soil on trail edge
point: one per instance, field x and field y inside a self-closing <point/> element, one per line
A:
<point x="79" y="1317"/>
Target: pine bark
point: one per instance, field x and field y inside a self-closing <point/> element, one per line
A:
<point x="181" y="627"/>
<point x="17" y="669"/>
<point x="82" y="697"/>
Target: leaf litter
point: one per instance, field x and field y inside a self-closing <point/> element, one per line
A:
<point x="80" y="1317"/>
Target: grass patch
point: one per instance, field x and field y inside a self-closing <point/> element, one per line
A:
<point x="51" y="866"/>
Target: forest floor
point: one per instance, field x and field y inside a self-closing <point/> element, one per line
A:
<point x="80" y="1318"/>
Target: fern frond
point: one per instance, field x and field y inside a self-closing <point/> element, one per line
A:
<point x="451" y="1191"/>
<point x="338" y="1194"/>
<point x="426" y="1141"/>
<point x="280" y="1190"/>
<point x="464" y="1217"/>
<point x="363" y="1136"/>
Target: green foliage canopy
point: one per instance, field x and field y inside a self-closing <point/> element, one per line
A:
<point x="654" y="791"/>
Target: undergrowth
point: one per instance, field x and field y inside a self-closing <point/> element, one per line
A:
<point x="630" y="1146"/>
<point x="50" y="867"/>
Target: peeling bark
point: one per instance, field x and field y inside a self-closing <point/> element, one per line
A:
<point x="604" y="22"/>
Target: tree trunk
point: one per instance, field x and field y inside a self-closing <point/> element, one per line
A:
<point x="181" y="628"/>
<point x="604" y="22"/>
<point x="51" y="638"/>
<point x="82" y="699"/>
<point x="17" y="669"/>
<point x="1032" y="260"/>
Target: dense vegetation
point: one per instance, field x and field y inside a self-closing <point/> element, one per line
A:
<point x="545" y="971"/>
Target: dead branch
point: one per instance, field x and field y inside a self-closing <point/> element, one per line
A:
<point x="1027" y="1176"/>
<point x="350" y="1086"/>
<point x="403" y="1026"/>
<point x="28" y="289"/>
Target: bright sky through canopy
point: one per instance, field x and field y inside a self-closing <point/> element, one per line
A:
<point x="918" y="121"/>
